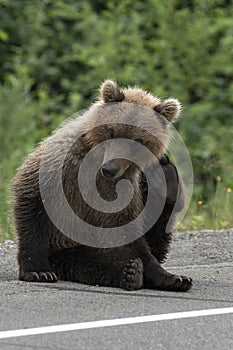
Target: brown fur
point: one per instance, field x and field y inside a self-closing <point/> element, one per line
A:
<point x="44" y="252"/>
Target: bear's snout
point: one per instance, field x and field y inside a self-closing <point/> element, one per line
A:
<point x="108" y="170"/>
<point x="115" y="168"/>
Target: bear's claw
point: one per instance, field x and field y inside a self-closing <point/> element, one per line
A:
<point x="33" y="276"/>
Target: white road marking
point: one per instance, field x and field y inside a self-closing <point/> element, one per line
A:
<point x="113" y="322"/>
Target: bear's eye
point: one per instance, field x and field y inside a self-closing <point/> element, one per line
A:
<point x="138" y="140"/>
<point x="110" y="134"/>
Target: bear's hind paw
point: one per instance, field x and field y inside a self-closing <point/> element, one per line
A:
<point x="133" y="275"/>
<point x="178" y="284"/>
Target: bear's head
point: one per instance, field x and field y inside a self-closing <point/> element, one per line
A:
<point x="133" y="114"/>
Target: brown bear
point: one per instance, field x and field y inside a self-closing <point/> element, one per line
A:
<point x="113" y="254"/>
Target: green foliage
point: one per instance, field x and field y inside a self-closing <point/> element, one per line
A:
<point x="54" y="54"/>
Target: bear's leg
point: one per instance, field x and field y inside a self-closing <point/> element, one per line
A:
<point x="159" y="236"/>
<point x="155" y="276"/>
<point x="92" y="266"/>
<point x="158" y="239"/>
<point x="32" y="228"/>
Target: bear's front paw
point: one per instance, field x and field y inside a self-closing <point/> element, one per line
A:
<point x="33" y="276"/>
<point x="133" y="275"/>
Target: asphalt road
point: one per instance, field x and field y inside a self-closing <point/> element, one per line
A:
<point x="206" y="256"/>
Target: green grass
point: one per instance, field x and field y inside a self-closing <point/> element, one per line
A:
<point x="214" y="214"/>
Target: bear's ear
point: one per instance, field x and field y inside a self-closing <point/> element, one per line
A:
<point x="110" y="92"/>
<point x="169" y="108"/>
